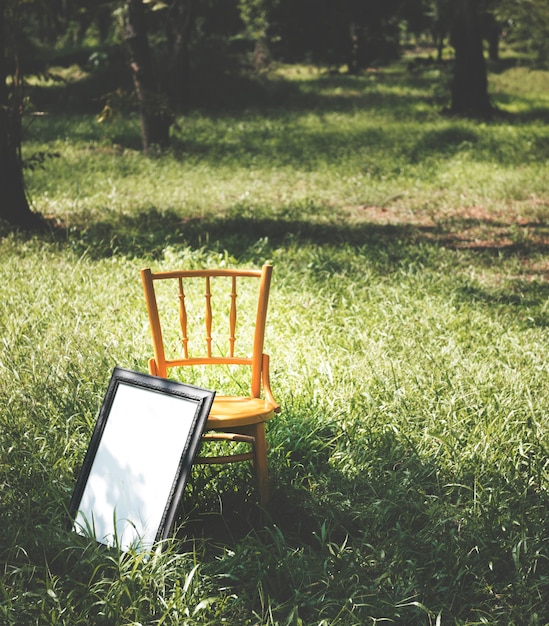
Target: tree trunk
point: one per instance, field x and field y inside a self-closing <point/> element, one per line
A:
<point x="181" y="19"/>
<point x="353" y="64"/>
<point x="439" y="42"/>
<point x="153" y="109"/>
<point x="14" y="205"/>
<point x="469" y="88"/>
<point x="491" y="31"/>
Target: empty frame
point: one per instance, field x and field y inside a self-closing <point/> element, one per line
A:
<point x="139" y="458"/>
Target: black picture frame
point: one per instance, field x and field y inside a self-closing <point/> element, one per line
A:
<point x="139" y="459"/>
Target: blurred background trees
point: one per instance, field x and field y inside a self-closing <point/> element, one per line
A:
<point x="164" y="56"/>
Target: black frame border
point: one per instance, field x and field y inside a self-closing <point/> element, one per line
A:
<point x="203" y="399"/>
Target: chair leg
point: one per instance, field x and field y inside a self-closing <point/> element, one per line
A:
<point x="260" y="463"/>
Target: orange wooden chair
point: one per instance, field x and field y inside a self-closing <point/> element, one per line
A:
<point x="235" y="418"/>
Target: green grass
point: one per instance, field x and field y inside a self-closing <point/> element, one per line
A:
<point x="408" y="340"/>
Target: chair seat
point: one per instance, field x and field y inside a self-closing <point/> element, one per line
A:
<point x="228" y="411"/>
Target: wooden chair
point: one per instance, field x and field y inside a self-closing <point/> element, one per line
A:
<point x="235" y="418"/>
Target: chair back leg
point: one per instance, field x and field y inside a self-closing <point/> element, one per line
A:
<point x="260" y="464"/>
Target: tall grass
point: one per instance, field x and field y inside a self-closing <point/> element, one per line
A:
<point x="408" y="337"/>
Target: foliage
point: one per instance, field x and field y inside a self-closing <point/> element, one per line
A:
<point x="407" y="331"/>
<point x="350" y="33"/>
<point x="527" y="25"/>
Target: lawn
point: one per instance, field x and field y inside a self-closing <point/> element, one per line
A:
<point x="408" y="334"/>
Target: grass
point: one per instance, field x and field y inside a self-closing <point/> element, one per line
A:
<point x="408" y="341"/>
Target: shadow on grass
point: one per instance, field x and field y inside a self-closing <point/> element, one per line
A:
<point x="385" y="247"/>
<point x="396" y="88"/>
<point x="401" y="528"/>
<point x="150" y="233"/>
<point x="312" y="550"/>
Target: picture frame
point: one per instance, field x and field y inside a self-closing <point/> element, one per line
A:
<point x="139" y="459"/>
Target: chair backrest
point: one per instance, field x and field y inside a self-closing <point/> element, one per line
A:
<point x="219" y="294"/>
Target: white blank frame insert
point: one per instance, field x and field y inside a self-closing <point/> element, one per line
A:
<point x="139" y="459"/>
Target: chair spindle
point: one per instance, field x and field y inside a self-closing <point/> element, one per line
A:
<point x="183" y="319"/>
<point x="232" y="337"/>
<point x="208" y="317"/>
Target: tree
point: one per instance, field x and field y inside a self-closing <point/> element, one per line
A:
<point x="491" y="32"/>
<point x="255" y="16"/>
<point x="526" y="24"/>
<point x="181" y="16"/>
<point x="154" y="112"/>
<point x="14" y="206"/>
<point x="162" y="74"/>
<point x="352" y="32"/>
<point x="469" y="88"/>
